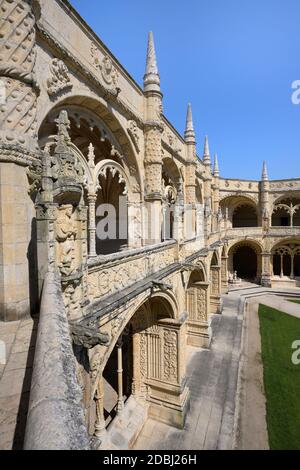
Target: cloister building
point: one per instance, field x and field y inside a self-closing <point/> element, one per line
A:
<point x="81" y="141"/>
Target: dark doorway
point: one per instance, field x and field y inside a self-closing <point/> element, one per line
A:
<point x="244" y="216"/>
<point x="297" y="266"/>
<point x="245" y="263"/>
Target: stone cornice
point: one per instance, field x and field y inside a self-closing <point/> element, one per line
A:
<point x="110" y="95"/>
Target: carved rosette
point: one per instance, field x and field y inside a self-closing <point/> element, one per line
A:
<point x="17" y="60"/>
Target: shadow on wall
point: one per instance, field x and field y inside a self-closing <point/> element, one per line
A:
<point x="33" y="270"/>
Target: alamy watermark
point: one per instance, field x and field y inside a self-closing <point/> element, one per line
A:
<point x="116" y="222"/>
<point x="296" y="353"/>
<point x="296" y="94"/>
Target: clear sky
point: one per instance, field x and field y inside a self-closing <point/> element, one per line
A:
<point x="235" y="60"/>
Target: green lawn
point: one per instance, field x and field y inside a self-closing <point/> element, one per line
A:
<point x="281" y="377"/>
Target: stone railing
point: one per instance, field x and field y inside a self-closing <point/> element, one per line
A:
<point x="258" y="232"/>
<point x="55" y="418"/>
<point x="110" y="273"/>
<point x="243" y="232"/>
<point x="284" y="231"/>
<point x="189" y="247"/>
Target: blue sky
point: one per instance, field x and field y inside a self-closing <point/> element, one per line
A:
<point x="235" y="60"/>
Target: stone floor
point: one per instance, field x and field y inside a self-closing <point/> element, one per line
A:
<point x="212" y="378"/>
<point x="15" y="379"/>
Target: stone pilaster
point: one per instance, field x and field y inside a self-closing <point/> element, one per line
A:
<point x="224" y="274"/>
<point x="266" y="269"/>
<point x="190" y="176"/>
<point x="198" y="330"/>
<point x="264" y="199"/>
<point x="168" y="393"/>
<point x="18" y="150"/>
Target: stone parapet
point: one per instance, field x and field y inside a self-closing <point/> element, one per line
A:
<point x="55" y="417"/>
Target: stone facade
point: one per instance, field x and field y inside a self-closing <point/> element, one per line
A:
<point x="78" y="136"/>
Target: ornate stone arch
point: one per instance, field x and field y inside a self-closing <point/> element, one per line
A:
<point x="236" y="195"/>
<point x="119" y="323"/>
<point x="101" y="120"/>
<point x="253" y="249"/>
<point x="255" y="244"/>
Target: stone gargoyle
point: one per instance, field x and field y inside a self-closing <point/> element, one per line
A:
<point x="87" y="336"/>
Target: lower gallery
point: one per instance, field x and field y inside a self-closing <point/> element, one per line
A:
<point x="119" y="243"/>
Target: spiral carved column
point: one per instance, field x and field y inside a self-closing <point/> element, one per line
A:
<point x="18" y="150"/>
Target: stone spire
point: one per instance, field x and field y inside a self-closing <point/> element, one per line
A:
<point x="189" y="133"/>
<point x="216" y="166"/>
<point x="206" y="154"/>
<point x="151" y="77"/>
<point x="264" y="176"/>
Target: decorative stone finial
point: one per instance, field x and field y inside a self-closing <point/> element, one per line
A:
<point x="91" y="156"/>
<point x="189" y="133"/>
<point x="264" y="176"/>
<point x="151" y="77"/>
<point x="206" y="154"/>
<point x="63" y="126"/>
<point x="216" y="166"/>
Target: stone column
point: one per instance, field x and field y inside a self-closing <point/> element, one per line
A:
<point x="190" y="175"/>
<point x="266" y="269"/>
<point x="281" y="265"/>
<point x="120" y="405"/>
<point x="18" y="150"/>
<point x="264" y="198"/>
<point x="92" y="224"/>
<point x="224" y="274"/>
<point x="292" y="266"/>
<point x="136" y="379"/>
<point x="100" y="430"/>
<point x="153" y="179"/>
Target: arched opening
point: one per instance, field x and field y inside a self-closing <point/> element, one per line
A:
<point x="286" y="261"/>
<point x="239" y="211"/>
<point x="244" y="216"/>
<point x="111" y="174"/>
<point x="286" y="213"/>
<point x="138" y="364"/>
<point x="111" y="212"/>
<point x="171" y="201"/>
<point x="245" y="263"/>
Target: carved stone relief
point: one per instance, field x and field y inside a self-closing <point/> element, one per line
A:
<point x="66" y="230"/>
<point x="133" y="133"/>
<point x="109" y="73"/>
<point x="59" y="79"/>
